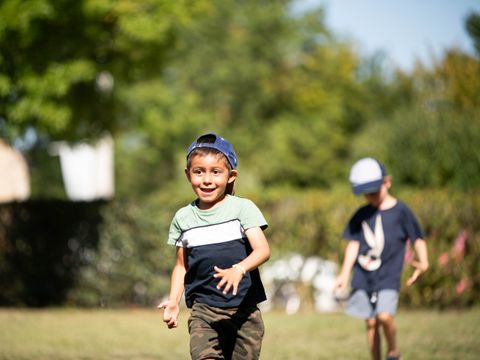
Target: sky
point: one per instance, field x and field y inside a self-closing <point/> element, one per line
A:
<point x="405" y="30"/>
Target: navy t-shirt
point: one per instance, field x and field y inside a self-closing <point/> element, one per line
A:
<point x="382" y="235"/>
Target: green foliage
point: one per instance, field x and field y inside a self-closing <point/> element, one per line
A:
<point x="440" y="148"/>
<point x="453" y="237"/>
<point x="430" y="139"/>
<point x="296" y="146"/>
<point x="473" y="28"/>
<point x="132" y="263"/>
<point x="308" y="223"/>
<point x="299" y="106"/>
<point x="274" y="84"/>
<point x="312" y="224"/>
<point x="453" y="83"/>
<point x="45" y="174"/>
<point x="64" y="63"/>
<point x="42" y="243"/>
<point x="427" y="148"/>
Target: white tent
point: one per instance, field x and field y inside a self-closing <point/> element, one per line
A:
<point x="87" y="169"/>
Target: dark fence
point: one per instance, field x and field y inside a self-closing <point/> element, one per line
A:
<point x="42" y="247"/>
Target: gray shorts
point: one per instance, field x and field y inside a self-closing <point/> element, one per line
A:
<point x="367" y="306"/>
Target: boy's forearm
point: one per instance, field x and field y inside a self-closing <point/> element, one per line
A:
<point x="422" y="253"/>
<point x="256" y="258"/>
<point x="350" y="257"/>
<point x="177" y="285"/>
<point x="260" y="249"/>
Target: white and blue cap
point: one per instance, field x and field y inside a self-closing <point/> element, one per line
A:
<point x="214" y="141"/>
<point x="366" y="176"/>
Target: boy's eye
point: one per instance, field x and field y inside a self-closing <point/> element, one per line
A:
<point x="218" y="171"/>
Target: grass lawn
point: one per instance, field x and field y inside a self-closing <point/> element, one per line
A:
<point x="67" y="334"/>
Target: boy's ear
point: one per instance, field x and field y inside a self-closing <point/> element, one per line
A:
<point x="230" y="189"/>
<point x="187" y="174"/>
<point x="233" y="176"/>
<point x="387" y="180"/>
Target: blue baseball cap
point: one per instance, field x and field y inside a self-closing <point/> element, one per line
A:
<point x="366" y="176"/>
<point x="214" y="141"/>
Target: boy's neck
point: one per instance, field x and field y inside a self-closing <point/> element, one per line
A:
<point x="387" y="203"/>
<point x="206" y="207"/>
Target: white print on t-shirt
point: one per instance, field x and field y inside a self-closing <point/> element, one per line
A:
<point x="371" y="260"/>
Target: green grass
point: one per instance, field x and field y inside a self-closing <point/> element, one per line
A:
<point x="65" y="334"/>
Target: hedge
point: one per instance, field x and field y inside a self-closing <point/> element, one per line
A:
<point x="115" y="254"/>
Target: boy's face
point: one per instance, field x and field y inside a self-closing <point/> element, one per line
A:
<point x="209" y="176"/>
<point x="375" y="199"/>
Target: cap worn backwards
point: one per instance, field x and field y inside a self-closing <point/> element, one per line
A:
<point x="366" y="176"/>
<point x="214" y="141"/>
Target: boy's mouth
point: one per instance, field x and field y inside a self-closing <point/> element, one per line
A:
<point x="207" y="190"/>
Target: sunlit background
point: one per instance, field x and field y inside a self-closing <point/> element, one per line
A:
<point x="99" y="100"/>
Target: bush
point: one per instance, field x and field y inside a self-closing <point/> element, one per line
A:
<point x="312" y="223"/>
<point x="116" y="254"/>
<point x="42" y="244"/>
<point x="427" y="147"/>
<point x="132" y="264"/>
<point x="450" y="220"/>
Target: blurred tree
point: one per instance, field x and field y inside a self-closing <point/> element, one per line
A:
<point x="430" y="139"/>
<point x="63" y="63"/>
<point x="275" y="82"/>
<point x="473" y="29"/>
<point x="73" y="70"/>
<point x="435" y="148"/>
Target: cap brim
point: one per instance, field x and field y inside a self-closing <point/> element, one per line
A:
<point x="370" y="187"/>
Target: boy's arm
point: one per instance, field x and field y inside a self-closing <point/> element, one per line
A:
<point x="351" y="253"/>
<point x="421" y="265"/>
<point x="171" y="306"/>
<point x="230" y="278"/>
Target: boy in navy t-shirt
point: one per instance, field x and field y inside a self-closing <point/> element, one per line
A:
<point x="377" y="235"/>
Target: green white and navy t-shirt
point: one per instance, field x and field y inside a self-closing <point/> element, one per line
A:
<point x="217" y="237"/>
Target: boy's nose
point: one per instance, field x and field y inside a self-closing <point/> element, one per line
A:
<point x="207" y="178"/>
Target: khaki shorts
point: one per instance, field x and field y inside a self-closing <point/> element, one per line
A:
<point x="233" y="333"/>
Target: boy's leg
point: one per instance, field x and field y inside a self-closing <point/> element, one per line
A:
<point x="205" y="342"/>
<point x="249" y="335"/>
<point x="359" y="305"/>
<point x="373" y="338"/>
<point x="386" y="310"/>
<point x="230" y="334"/>
<point x="390" y="331"/>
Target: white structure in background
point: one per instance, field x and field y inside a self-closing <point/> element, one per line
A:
<point x="14" y="176"/>
<point x="284" y="278"/>
<point x="87" y="169"/>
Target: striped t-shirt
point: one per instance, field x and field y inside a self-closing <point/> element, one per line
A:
<point x="217" y="237"/>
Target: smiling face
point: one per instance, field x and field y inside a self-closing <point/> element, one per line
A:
<point x="209" y="175"/>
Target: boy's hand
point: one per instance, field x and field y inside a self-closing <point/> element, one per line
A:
<point x="420" y="265"/>
<point x="341" y="282"/>
<point x="170" y="313"/>
<point x="420" y="268"/>
<point x="229" y="278"/>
